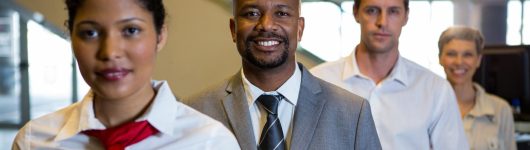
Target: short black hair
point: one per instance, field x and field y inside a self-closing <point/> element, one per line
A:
<point x="156" y="7"/>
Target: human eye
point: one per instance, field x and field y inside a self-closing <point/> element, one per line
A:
<point x="130" y="31"/>
<point x="282" y="14"/>
<point x="469" y="54"/>
<point x="88" y="33"/>
<point x="395" y="11"/>
<point x="371" y="10"/>
<point x="251" y="14"/>
<point x="451" y="54"/>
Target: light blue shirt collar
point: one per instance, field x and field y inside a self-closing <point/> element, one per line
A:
<point x="398" y="72"/>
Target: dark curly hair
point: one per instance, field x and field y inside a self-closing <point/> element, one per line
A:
<point x="156" y="7"/>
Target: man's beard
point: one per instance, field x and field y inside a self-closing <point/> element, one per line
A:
<point x="265" y="64"/>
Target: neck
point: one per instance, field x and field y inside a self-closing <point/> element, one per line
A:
<point x="375" y="65"/>
<point x="114" y="112"/>
<point x="269" y="79"/>
<point x="465" y="93"/>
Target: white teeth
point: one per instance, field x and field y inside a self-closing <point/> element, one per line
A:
<point x="268" y="43"/>
<point x="459" y="71"/>
<point x="114" y="74"/>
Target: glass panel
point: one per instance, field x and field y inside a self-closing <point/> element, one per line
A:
<point x="350" y="29"/>
<point x="416" y="37"/>
<point x="419" y="38"/>
<point x="9" y="72"/>
<point x="50" y="70"/>
<point x="526" y="23"/>
<point x="441" y="19"/>
<point x="513" y="35"/>
<point x="322" y="29"/>
<point x="6" y="138"/>
<point x="82" y="87"/>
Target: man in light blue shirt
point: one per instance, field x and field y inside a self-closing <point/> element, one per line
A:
<point x="412" y="107"/>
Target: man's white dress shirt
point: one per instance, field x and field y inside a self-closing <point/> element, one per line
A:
<point x="413" y="109"/>
<point x="180" y="126"/>
<point x="258" y="115"/>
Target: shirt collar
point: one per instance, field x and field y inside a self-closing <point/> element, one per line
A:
<point x="482" y="107"/>
<point x="289" y="89"/>
<point x="351" y="68"/>
<point x="160" y="113"/>
<point x="164" y="109"/>
<point x="398" y="72"/>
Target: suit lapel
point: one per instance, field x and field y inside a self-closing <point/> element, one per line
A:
<point x="307" y="111"/>
<point x="236" y="108"/>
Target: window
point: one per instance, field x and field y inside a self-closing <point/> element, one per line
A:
<point x="50" y="70"/>
<point x="331" y="31"/>
<point x="518" y="22"/>
<point x="322" y="33"/>
<point x="37" y="68"/>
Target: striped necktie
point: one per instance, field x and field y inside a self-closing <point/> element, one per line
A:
<point x="272" y="134"/>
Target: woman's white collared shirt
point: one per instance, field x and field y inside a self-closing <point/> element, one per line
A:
<point x="180" y="126"/>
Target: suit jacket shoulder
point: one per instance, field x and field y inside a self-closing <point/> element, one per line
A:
<point x="209" y="101"/>
<point x="226" y="103"/>
<point x="331" y="118"/>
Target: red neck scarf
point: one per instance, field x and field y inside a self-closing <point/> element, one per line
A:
<point x="117" y="138"/>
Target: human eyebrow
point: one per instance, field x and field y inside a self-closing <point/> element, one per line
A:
<point x="283" y="7"/>
<point x="86" y="22"/>
<point x="372" y="7"/>
<point x="249" y="6"/>
<point x="395" y="8"/>
<point x="132" y="19"/>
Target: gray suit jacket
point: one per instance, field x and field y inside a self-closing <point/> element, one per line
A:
<point x="326" y="116"/>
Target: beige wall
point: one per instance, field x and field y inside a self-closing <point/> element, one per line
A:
<point x="199" y="52"/>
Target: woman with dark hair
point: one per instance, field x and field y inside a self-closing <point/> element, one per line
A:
<point x="488" y="120"/>
<point x="115" y="44"/>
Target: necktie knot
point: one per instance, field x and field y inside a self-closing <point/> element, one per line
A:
<point x="270" y="102"/>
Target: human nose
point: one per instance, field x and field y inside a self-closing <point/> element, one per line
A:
<point x="266" y="23"/>
<point x="109" y="48"/>
<point x="381" y="20"/>
<point x="459" y="59"/>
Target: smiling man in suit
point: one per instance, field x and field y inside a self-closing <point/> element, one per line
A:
<point x="274" y="102"/>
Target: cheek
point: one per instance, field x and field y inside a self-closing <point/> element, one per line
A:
<point x="142" y="53"/>
<point x="444" y="61"/>
<point x="244" y="28"/>
<point x="86" y="67"/>
<point x="473" y="63"/>
<point x="243" y="31"/>
<point x="86" y="57"/>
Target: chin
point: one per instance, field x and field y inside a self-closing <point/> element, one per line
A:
<point x="457" y="81"/>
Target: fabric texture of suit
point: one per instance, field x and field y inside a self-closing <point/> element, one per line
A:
<point x="326" y="116"/>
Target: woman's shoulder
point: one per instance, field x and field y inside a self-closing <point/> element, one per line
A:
<point x="499" y="103"/>
<point x="43" y="129"/>
<point x="491" y="99"/>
